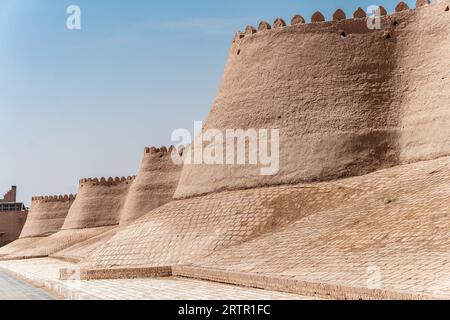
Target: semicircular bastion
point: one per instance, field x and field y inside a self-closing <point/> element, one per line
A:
<point x="47" y="215"/>
<point x="154" y="186"/>
<point x="342" y="108"/>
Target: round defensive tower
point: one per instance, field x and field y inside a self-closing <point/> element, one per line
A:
<point x="46" y="216"/>
<point x="347" y="99"/>
<point x="99" y="203"/>
<point x="96" y="210"/>
<point x="154" y="186"/>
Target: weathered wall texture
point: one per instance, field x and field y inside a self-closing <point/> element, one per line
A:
<point x="11" y="224"/>
<point x="61" y="240"/>
<point x="345" y="101"/>
<point x="423" y="43"/>
<point x="46" y="216"/>
<point x="77" y="251"/>
<point x="99" y="203"/>
<point x="95" y="210"/>
<point x="395" y="222"/>
<point x="154" y="186"/>
<point x="190" y="228"/>
<point x="348" y="100"/>
<point x="340" y="101"/>
<point x="18" y="245"/>
<point x="103" y="204"/>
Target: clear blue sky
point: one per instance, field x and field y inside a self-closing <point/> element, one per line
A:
<point x="85" y="103"/>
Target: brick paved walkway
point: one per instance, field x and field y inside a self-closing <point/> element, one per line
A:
<point x="45" y="272"/>
<point x="13" y="289"/>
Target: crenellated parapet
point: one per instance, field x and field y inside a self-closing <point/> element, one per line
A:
<point x="163" y="151"/>
<point x="317" y="17"/>
<point x="106" y="181"/>
<point x="338" y="15"/>
<point x="401" y="6"/>
<point x="59" y="198"/>
<point x="359" y="14"/>
<point x="361" y="92"/>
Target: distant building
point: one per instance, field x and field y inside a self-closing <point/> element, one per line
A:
<point x="13" y="215"/>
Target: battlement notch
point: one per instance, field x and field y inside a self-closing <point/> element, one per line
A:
<point x="111" y="181"/>
<point x="55" y="198"/>
<point x="402" y="6"/>
<point x="297" y="19"/>
<point x="163" y="151"/>
<point x="339" y="15"/>
<point x="318" y="17"/>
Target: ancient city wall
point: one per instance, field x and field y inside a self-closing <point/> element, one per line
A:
<point x="347" y="100"/>
<point x="96" y="210"/>
<point x="104" y="204"/>
<point x="344" y="99"/>
<point x="423" y="43"/>
<point x="11" y="224"/>
<point x="154" y="186"/>
<point x="46" y="216"/>
<point x="99" y="203"/>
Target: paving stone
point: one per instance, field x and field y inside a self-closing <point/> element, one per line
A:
<point x="12" y="288"/>
<point x="45" y="271"/>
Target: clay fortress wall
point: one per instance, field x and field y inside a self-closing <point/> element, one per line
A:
<point x="99" y="203"/>
<point x="46" y="217"/>
<point x="154" y="186"/>
<point x="347" y="100"/>
<point x="365" y="138"/>
<point x="363" y="117"/>
<point x="102" y="204"/>
<point x="95" y="210"/>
